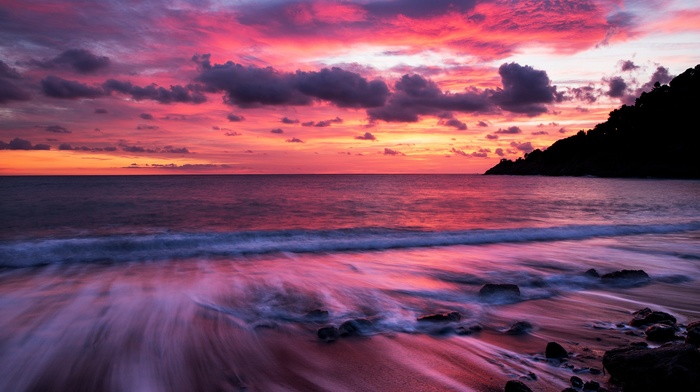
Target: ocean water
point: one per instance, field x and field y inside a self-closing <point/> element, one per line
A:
<point x="160" y="282"/>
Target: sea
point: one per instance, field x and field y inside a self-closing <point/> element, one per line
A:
<point x="132" y="283"/>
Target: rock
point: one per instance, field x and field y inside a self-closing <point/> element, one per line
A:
<point x="672" y="367"/>
<point x="517" y="386"/>
<point x="592" y="273"/>
<point x="647" y="317"/>
<point x="491" y="290"/>
<point x="441" y="317"/>
<point x="591" y="386"/>
<point x="328" y="333"/>
<point x="465" y="331"/>
<point x="693" y="336"/>
<point x="576" y="382"/>
<point x="555" y="351"/>
<point x="317" y="314"/>
<point x="628" y="275"/>
<point x="519" y="328"/>
<point x="660" y="333"/>
<point x="354" y="327"/>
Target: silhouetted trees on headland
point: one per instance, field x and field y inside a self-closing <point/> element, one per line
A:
<point x="659" y="136"/>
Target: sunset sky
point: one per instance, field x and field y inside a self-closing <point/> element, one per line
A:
<point x="355" y="86"/>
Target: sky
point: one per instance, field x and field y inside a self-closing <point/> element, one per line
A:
<point x="320" y="86"/>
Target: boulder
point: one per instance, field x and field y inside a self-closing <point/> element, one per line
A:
<point x="592" y="273"/>
<point x="672" y="367"/>
<point x="554" y="350"/>
<point x="328" y="333"/>
<point x="627" y="275"/>
<point x="576" y="382"/>
<point x="491" y="290"/>
<point x="660" y="333"/>
<point x="591" y="386"/>
<point x="317" y="314"/>
<point x="517" y="386"/>
<point x="354" y="327"/>
<point x="519" y="328"/>
<point x="647" y="316"/>
<point x="693" y="336"/>
<point x="441" y="317"/>
<point x="466" y="331"/>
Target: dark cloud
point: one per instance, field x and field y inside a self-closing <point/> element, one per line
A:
<point x="525" y="147"/>
<point x="235" y="118"/>
<point x="499" y="152"/>
<point x="415" y="96"/>
<point x="21" y="144"/>
<point x="232" y="133"/>
<point x="366" y="136"/>
<point x="287" y="120"/>
<point x="525" y="90"/>
<point x="181" y="94"/>
<point x="481" y="153"/>
<point x="277" y="130"/>
<point x="56" y="129"/>
<point x="157" y="150"/>
<point x="294" y="140"/>
<point x="142" y="127"/>
<point x="416" y="9"/>
<point x="540" y="133"/>
<point x="308" y="124"/>
<point x="323" y="123"/>
<point x="482" y="124"/>
<point x="509" y="131"/>
<point x="660" y="76"/>
<point x="628" y="65"/>
<point x="56" y="87"/>
<point x="492" y="137"/>
<point x="68" y="147"/>
<point x="459" y="152"/>
<point x="9" y="89"/>
<point x="454" y="123"/>
<point x="563" y="130"/>
<point x="389" y="151"/>
<point x="100" y="111"/>
<point x="253" y="86"/>
<point x="146" y="116"/>
<point x="79" y="60"/>
<point x="585" y="93"/>
<point x="617" y="87"/>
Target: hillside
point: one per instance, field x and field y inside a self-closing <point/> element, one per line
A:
<point x="659" y="136"/>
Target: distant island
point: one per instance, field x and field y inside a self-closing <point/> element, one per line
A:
<point x="659" y="136"/>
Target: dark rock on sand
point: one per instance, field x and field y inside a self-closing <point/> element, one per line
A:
<point x="660" y="333"/>
<point x="554" y="350"/>
<point x="591" y="386"/>
<point x="466" y="331"/>
<point x="592" y="273"/>
<point x="693" y="336"/>
<point x="672" y="367"/>
<point x="576" y="382"/>
<point x="328" y="333"/>
<point x="354" y="327"/>
<point x="491" y="290"/>
<point x="519" y="328"/>
<point x="627" y="275"/>
<point x="441" y="317"/>
<point x="517" y="386"/>
<point x="647" y="316"/>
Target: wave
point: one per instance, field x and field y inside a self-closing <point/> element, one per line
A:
<point x="163" y="246"/>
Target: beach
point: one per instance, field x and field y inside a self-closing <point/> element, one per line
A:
<point x="137" y="307"/>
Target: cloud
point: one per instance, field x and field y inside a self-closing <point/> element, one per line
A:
<point x="294" y="140"/>
<point x="277" y="130"/>
<point x="459" y="152"/>
<point x="21" y="144"/>
<point x="509" y="131"/>
<point x="417" y="9"/>
<point x="308" y="124"/>
<point x="366" y="136"/>
<point x="56" y="87"/>
<point x="146" y="116"/>
<point x="232" y="133"/>
<point x="142" y="127"/>
<point x="9" y="90"/>
<point x="177" y="93"/>
<point x="454" y="123"/>
<point x="525" y="147"/>
<point x="101" y="111"/>
<point x="628" y="65"/>
<point x="68" y="147"/>
<point x="287" y="120"/>
<point x="323" y="123"/>
<point x="563" y="130"/>
<point x="660" y="76"/>
<point x="492" y="137"/>
<point x="586" y="93"/>
<point x="79" y="60"/>
<point x="157" y="150"/>
<point x="499" y="152"/>
<point x="253" y="86"/>
<point x="617" y="87"/>
<point x="235" y="118"/>
<point x="540" y="133"/>
<point x="483" y="124"/>
<point x="389" y="151"/>
<point x="56" y="129"/>
<point x="525" y="90"/>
